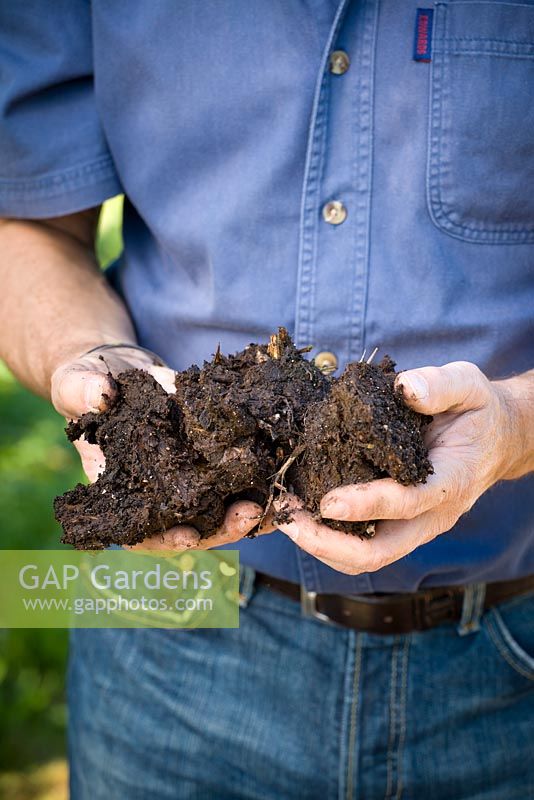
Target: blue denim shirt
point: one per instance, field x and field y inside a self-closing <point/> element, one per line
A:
<point x="228" y="130"/>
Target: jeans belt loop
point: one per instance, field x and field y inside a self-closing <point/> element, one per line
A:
<point x="247" y="578"/>
<point x="472" y="608"/>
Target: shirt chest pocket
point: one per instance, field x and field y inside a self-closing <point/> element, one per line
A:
<point x="480" y="180"/>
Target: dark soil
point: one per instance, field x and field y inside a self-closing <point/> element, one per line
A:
<point x="361" y="431"/>
<point x="246" y="426"/>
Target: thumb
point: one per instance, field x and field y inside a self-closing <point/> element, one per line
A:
<point x="459" y="386"/>
<point x="75" y="391"/>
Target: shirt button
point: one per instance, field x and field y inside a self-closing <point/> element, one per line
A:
<point x="326" y="362"/>
<point x="339" y="62"/>
<point x="334" y="212"/>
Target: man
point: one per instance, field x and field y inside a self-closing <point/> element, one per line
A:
<point x="361" y="173"/>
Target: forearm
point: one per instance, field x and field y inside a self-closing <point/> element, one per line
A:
<point x="518" y="395"/>
<point x="55" y="304"/>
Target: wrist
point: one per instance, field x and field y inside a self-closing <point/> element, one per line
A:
<point x="516" y="396"/>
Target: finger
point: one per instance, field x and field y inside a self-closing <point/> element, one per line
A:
<point x="346" y="569"/>
<point x="459" y="386"/>
<point x="117" y="363"/>
<point x="330" y="546"/>
<point x="387" y="499"/>
<point x="165" y="376"/>
<point x="394" y="539"/>
<point x="316" y="538"/>
<point x="267" y="524"/>
<point x="240" y="519"/>
<point x="181" y="537"/>
<point x="75" y="391"/>
<point x="92" y="457"/>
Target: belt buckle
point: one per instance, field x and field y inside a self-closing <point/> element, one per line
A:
<point x="437" y="609"/>
<point x="308" y="605"/>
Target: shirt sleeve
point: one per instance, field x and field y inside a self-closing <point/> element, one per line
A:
<point x="54" y="158"/>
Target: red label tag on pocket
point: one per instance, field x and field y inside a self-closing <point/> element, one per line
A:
<point x="422" y="46"/>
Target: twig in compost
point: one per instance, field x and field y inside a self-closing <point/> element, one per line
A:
<point x="373" y="354"/>
<point x="278" y="480"/>
<point x="217" y="358"/>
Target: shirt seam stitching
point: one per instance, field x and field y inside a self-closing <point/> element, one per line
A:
<point x="74" y="175"/>
<point x="437" y="207"/>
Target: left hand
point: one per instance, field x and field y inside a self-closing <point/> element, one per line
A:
<point x="472" y="444"/>
<point x="82" y="384"/>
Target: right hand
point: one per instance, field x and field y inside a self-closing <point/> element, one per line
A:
<point x="84" y="385"/>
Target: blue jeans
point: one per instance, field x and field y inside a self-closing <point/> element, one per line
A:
<point x="290" y="707"/>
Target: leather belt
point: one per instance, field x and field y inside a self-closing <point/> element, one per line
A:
<point x="393" y="613"/>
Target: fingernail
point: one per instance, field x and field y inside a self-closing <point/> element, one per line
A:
<point x="92" y="394"/>
<point x="335" y="509"/>
<point x="415" y="386"/>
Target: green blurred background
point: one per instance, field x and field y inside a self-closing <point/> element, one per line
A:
<point x="36" y="464"/>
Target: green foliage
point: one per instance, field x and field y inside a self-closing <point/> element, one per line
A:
<point x="109" y="239"/>
<point x="36" y="464"/>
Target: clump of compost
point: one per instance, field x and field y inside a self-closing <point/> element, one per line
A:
<point x="244" y="426"/>
<point x="360" y="432"/>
